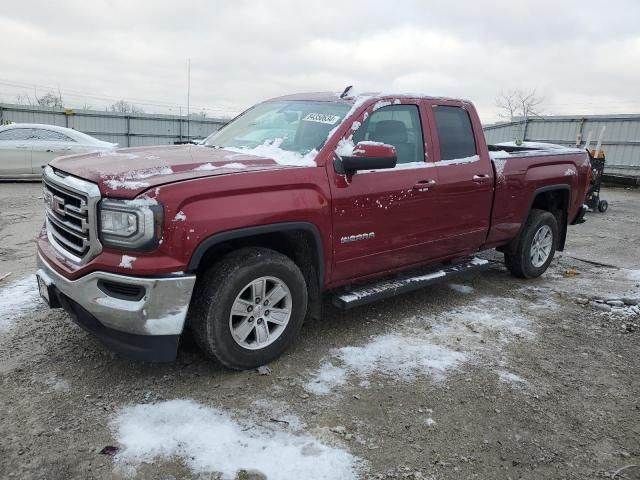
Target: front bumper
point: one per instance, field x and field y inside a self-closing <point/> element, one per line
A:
<point x="146" y="327"/>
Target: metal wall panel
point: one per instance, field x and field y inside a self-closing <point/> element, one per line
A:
<point x="621" y="140"/>
<point x="125" y="129"/>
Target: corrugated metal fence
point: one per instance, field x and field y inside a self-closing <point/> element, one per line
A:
<point x="621" y="140"/>
<point x="126" y="129"/>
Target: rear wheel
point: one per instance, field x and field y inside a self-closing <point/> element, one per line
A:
<point x="535" y="247"/>
<point x="249" y="307"/>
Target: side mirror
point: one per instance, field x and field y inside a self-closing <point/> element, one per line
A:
<point x="370" y="156"/>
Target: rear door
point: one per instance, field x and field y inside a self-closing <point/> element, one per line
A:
<point x="15" y="151"/>
<point x="384" y="218"/>
<point x="464" y="194"/>
<point x="47" y="145"/>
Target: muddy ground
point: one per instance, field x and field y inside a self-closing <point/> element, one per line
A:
<point x="489" y="378"/>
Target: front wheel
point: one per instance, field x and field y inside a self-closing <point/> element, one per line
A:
<point x="535" y="247"/>
<point x="249" y="307"/>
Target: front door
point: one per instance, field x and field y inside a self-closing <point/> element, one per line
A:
<point x="383" y="218"/>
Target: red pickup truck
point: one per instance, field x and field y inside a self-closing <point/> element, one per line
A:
<point x="238" y="238"/>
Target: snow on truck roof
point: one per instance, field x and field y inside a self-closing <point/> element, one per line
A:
<point x="353" y="98"/>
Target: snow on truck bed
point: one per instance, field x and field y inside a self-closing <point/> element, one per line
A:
<point x="511" y="149"/>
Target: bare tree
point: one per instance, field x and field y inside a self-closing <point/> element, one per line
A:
<point x="23" y="99"/>
<point x="197" y="115"/>
<point x="518" y="103"/>
<point x="49" y="99"/>
<point x="122" y="106"/>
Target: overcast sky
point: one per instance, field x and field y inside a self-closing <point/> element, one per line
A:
<point x="581" y="56"/>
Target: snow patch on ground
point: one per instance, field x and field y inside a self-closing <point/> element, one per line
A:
<point x="127" y="261"/>
<point x="16" y="299"/>
<point x="494" y="317"/>
<point x="209" y="440"/>
<point x="393" y="355"/>
<point x="457" y="287"/>
<point x="432" y="345"/>
<point x="326" y="378"/>
<point x="400" y="356"/>
<point x="271" y="149"/>
<point x="508" y="377"/>
<point x="633" y="275"/>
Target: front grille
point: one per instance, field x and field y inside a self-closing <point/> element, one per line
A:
<point x="70" y="207"/>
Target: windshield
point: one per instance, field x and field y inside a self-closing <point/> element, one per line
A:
<point x="294" y="126"/>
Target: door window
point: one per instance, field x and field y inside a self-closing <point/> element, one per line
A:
<point x="397" y="125"/>
<point x="455" y="132"/>
<point x="41" y="134"/>
<point x="15" y="134"/>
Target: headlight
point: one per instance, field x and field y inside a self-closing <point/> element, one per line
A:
<point x="130" y="224"/>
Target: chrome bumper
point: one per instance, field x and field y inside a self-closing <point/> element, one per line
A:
<point x="161" y="311"/>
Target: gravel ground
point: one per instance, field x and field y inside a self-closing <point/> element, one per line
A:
<point x="488" y="378"/>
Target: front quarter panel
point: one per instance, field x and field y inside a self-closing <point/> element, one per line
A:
<point x="196" y="210"/>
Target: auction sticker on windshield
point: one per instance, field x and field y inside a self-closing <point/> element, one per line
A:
<point x="321" y="118"/>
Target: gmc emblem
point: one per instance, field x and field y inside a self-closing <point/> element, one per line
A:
<point x="55" y="204"/>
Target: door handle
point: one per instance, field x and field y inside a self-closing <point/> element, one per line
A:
<point x="481" y="178"/>
<point x="22" y="146"/>
<point x="424" y="185"/>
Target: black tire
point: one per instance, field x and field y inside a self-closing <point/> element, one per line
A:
<point x="216" y="291"/>
<point x="602" y="206"/>
<point x="518" y="257"/>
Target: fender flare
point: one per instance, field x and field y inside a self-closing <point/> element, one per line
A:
<point x="246" y="232"/>
<point x="549" y="188"/>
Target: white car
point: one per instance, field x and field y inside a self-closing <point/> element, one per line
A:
<point x="25" y="148"/>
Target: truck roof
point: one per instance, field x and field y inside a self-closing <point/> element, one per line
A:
<point x="335" y="96"/>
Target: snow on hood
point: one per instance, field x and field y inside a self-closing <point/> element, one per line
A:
<point x="125" y="173"/>
<point x="271" y="149"/>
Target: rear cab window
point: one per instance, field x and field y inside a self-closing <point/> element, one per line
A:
<point x="455" y="132"/>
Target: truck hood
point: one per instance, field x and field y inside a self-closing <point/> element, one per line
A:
<point x="125" y="173"/>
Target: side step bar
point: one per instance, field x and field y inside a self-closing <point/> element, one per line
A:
<point x="372" y="292"/>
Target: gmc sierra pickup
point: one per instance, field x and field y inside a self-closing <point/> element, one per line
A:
<point x="238" y="238"/>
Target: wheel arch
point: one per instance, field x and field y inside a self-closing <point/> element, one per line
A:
<point x="260" y="234"/>
<point x="554" y="199"/>
<point x="300" y="241"/>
